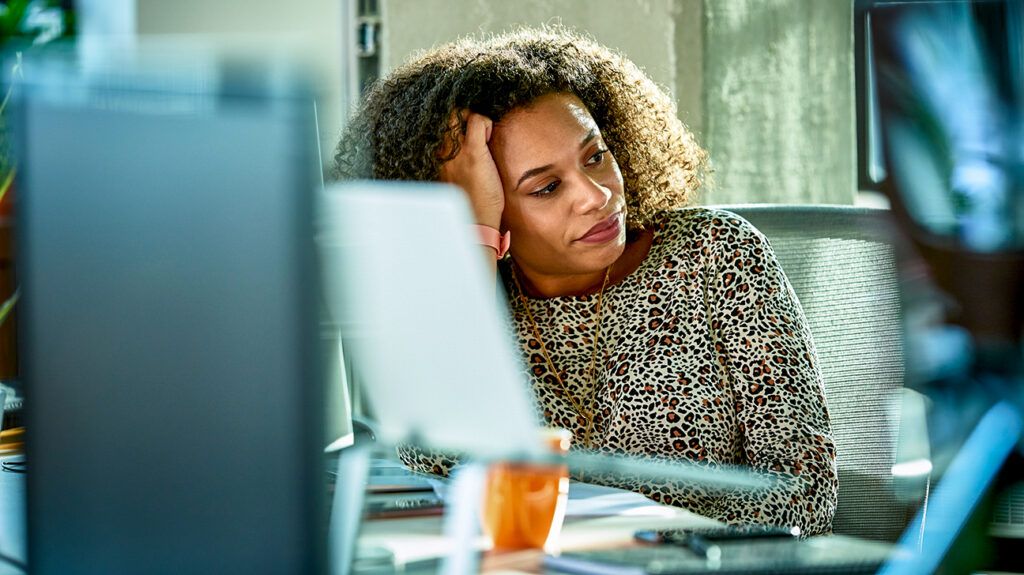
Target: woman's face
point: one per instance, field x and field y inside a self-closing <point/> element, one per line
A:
<point x="564" y="201"/>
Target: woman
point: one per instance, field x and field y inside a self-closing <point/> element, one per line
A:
<point x="645" y="330"/>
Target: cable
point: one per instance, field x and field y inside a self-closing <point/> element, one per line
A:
<point x="15" y="466"/>
<point x="14" y="562"/>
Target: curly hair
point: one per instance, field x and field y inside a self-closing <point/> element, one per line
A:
<point x="404" y="122"/>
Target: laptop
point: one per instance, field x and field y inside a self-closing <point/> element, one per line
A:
<point x="168" y="316"/>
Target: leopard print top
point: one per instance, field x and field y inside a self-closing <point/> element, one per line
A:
<point x="705" y="355"/>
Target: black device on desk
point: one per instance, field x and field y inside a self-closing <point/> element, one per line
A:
<point x="726" y="551"/>
<point x="705" y="542"/>
<point x="716" y="534"/>
<point x="169" y="320"/>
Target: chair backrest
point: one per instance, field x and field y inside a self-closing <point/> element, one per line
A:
<point x="841" y="263"/>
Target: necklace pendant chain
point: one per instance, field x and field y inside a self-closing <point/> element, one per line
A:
<point x="588" y="415"/>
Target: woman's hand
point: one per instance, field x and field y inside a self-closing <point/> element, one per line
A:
<point x="473" y="170"/>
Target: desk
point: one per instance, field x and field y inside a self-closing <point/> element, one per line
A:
<point x="411" y="539"/>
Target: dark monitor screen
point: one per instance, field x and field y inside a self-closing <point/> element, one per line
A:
<point x="169" y="321"/>
<point x="943" y="84"/>
<point x="939" y="94"/>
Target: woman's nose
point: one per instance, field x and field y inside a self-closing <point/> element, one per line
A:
<point x="591" y="195"/>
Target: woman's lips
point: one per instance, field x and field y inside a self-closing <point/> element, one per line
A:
<point x="604" y="231"/>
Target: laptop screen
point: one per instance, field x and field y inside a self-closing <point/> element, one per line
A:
<point x="408" y="287"/>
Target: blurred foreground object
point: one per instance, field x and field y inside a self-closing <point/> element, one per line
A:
<point x="950" y="92"/>
<point x="24" y="26"/>
<point x="169" y="325"/>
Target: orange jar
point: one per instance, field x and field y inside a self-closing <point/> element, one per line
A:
<point x="524" y="504"/>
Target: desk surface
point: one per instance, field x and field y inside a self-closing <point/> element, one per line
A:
<point x="412" y="539"/>
<point x="416" y="539"/>
<point x="596" y="517"/>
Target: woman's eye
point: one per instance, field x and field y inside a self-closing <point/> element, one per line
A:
<point x="597" y="158"/>
<point x="550" y="188"/>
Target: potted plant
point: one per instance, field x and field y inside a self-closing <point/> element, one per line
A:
<point x="24" y="24"/>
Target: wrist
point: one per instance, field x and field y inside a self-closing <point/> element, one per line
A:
<point x="490" y="216"/>
<point x="494" y="223"/>
<point x="494" y="239"/>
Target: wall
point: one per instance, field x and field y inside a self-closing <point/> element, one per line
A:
<point x="641" y="29"/>
<point x="766" y="85"/>
<point x="778" y="100"/>
<point x="688" y="38"/>
<point x="312" y="26"/>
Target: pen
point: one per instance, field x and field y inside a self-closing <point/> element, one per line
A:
<point x="649" y="537"/>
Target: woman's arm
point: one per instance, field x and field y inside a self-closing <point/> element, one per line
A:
<point x="426" y="460"/>
<point x="768" y="357"/>
<point x="473" y="169"/>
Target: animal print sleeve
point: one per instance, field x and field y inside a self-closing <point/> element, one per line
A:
<point x="426" y="460"/>
<point x="767" y="356"/>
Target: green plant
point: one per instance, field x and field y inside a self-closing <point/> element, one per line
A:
<point x="23" y="24"/>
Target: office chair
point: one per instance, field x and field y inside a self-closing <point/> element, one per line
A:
<point x="841" y="263"/>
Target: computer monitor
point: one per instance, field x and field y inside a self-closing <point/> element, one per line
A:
<point x="945" y="86"/>
<point x="169" y="320"/>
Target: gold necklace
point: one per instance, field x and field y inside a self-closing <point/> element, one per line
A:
<point x="587" y="415"/>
